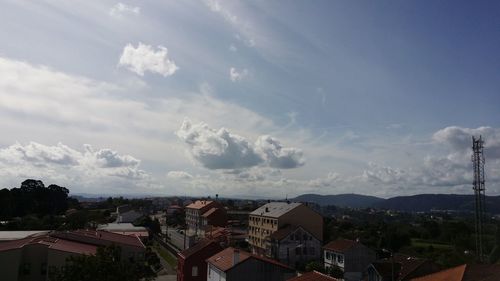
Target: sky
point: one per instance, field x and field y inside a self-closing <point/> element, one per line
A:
<point x="262" y="99"/>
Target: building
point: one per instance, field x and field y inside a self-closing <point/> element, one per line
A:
<point x="293" y="246"/>
<point x="125" y="229"/>
<point x="273" y="216"/>
<point x="399" y="268"/>
<point x="20" y="234"/>
<point x="465" y="272"/>
<point x="350" y="256"/>
<point x="34" y="257"/>
<point x="128" y="216"/>
<point x="235" y="265"/>
<point x="191" y="263"/>
<point x="202" y="213"/>
<point x="313" y="276"/>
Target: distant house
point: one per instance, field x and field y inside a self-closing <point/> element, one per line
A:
<point x="125" y="229"/>
<point x="350" y="256"/>
<point x="128" y="216"/>
<point x="313" y="276"/>
<point x="34" y="257"/>
<point x="173" y="209"/>
<point x="273" y="216"/>
<point x="191" y="263"/>
<point x="202" y="213"/>
<point x="293" y="246"/>
<point x="235" y="265"/>
<point x="465" y="272"/>
<point x="399" y="268"/>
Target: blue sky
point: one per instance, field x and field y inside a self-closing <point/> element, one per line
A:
<point x="246" y="98"/>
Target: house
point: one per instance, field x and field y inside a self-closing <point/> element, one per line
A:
<point x="128" y="216"/>
<point x="293" y="246"/>
<point x="273" y="216"/>
<point x="313" y="276"/>
<point x="34" y="257"/>
<point x="202" y="213"/>
<point x="350" y="256"/>
<point x="235" y="265"/>
<point x="191" y="263"/>
<point x="125" y="229"/>
<point x="399" y="268"/>
<point x="465" y="272"/>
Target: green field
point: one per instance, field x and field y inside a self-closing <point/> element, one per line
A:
<point x="427" y="243"/>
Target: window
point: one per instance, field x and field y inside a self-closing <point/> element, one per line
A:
<point x="340" y="258"/>
<point x="328" y="255"/>
<point x="194" y="271"/>
<point x="297" y="251"/>
<point x="311" y="251"/>
<point x="304" y="250"/>
<point x="304" y="237"/>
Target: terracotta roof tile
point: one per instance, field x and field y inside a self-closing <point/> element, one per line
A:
<point x="313" y="276"/>
<point x="203" y="243"/>
<point x="340" y="245"/>
<point x="451" y="274"/>
<point x="223" y="260"/>
<point x="200" y="204"/>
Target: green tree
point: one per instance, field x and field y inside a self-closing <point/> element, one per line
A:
<point x="105" y="265"/>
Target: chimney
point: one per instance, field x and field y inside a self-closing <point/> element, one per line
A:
<point x="267" y="210"/>
<point x="236" y="256"/>
<point x="216" y="197"/>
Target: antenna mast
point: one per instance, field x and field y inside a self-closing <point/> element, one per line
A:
<point x="479" y="189"/>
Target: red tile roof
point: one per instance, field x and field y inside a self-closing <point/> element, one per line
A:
<point x="202" y="244"/>
<point x="51" y="243"/>
<point x="340" y="245"/>
<point x="199" y="204"/>
<point x="451" y="274"/>
<point x="99" y="235"/>
<point x="313" y="276"/>
<point x="209" y="212"/>
<point x="224" y="259"/>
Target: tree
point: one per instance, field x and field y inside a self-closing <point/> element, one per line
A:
<point x="314" y="265"/>
<point x="335" y="271"/>
<point x="105" y="265"/>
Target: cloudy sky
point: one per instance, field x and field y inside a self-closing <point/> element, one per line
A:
<point x="249" y="98"/>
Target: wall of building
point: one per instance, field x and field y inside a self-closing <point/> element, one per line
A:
<point x="9" y="264"/>
<point x="255" y="269"/>
<point x="259" y="228"/>
<point x="305" y="217"/>
<point x="290" y="250"/>
<point x="358" y="258"/>
<point x="34" y="260"/>
<point x="214" y="274"/>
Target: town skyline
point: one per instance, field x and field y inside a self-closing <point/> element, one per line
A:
<point x="249" y="99"/>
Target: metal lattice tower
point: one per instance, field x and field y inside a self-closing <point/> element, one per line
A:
<point x="479" y="189"/>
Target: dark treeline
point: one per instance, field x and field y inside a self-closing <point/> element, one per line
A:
<point x="33" y="198"/>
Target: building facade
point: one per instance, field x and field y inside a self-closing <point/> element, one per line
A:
<point x="293" y="246"/>
<point x="273" y="216"/>
<point x="235" y="265"/>
<point x="191" y="263"/>
<point x="350" y="256"/>
<point x="202" y="213"/>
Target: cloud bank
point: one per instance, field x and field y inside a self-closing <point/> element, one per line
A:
<point x="221" y="149"/>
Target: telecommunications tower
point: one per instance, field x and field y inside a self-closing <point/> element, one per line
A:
<point x="479" y="189"/>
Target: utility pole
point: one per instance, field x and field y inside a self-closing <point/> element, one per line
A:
<point x="479" y="190"/>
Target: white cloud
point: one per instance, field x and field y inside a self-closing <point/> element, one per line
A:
<point x="61" y="163"/>
<point x="221" y="149"/>
<point x="119" y="10"/>
<point x="236" y="75"/>
<point x="179" y="175"/>
<point x="278" y="156"/>
<point x="233" y="48"/>
<point x="460" y="139"/>
<point x="145" y="58"/>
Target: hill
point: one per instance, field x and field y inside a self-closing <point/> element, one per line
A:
<point x="428" y="202"/>
<point x="340" y="200"/>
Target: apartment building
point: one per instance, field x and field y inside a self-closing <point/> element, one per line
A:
<point x="273" y="216"/>
<point x="203" y="213"/>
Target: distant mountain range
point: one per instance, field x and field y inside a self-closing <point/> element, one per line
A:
<point x="415" y="203"/>
<point x="341" y="200"/>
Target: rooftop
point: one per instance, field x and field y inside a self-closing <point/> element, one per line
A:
<point x="313" y="276"/>
<point x="465" y="272"/>
<point x="202" y="244"/>
<point x="224" y="260"/>
<point x="451" y="274"/>
<point x="14" y="235"/>
<point x="340" y="245"/>
<point x="80" y="235"/>
<point x="275" y="209"/>
<point x="199" y="204"/>
<point x="51" y="243"/>
<point x="121" y="227"/>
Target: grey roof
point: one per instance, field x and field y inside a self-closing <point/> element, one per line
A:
<point x="121" y="227"/>
<point x="14" y="235"/>
<point x="275" y="209"/>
